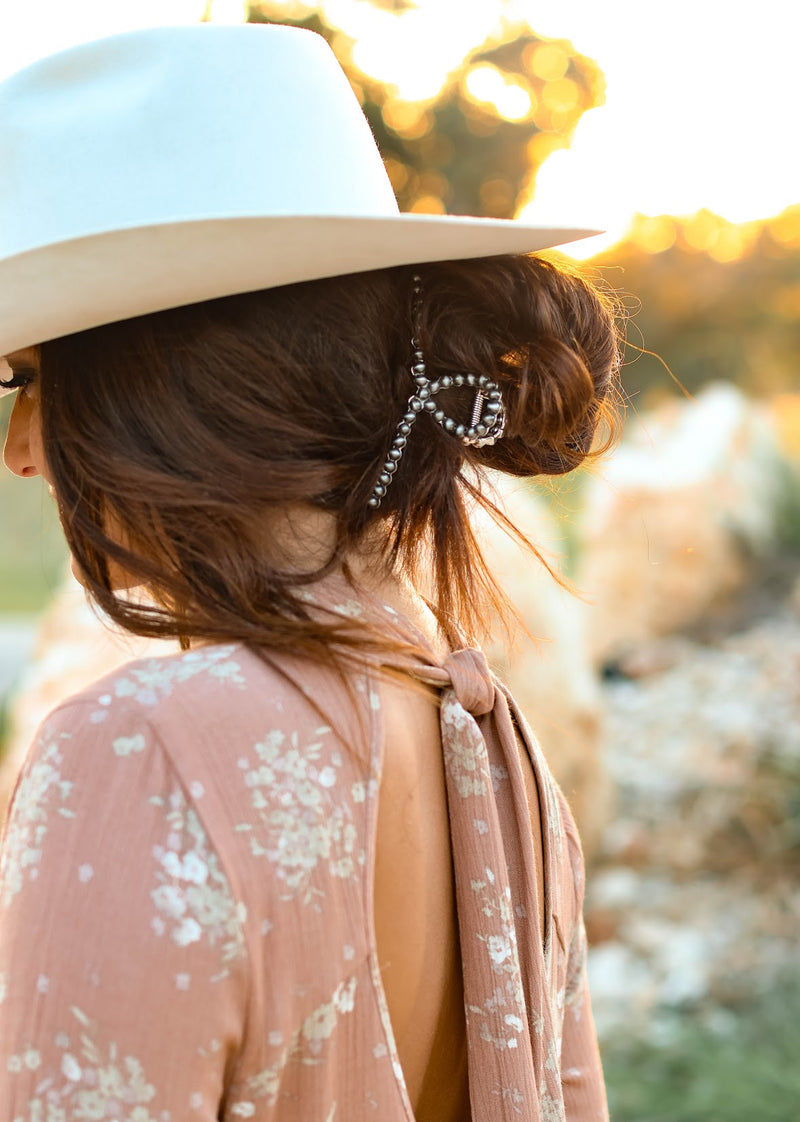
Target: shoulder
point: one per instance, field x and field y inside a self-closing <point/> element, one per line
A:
<point x="195" y="720"/>
<point x="150" y="693"/>
<point x="101" y="751"/>
<point x="147" y="683"/>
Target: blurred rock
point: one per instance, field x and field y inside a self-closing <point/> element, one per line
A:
<point x="674" y="520"/>
<point x="545" y="661"/>
<point x="697" y="897"/>
<point x="706" y="755"/>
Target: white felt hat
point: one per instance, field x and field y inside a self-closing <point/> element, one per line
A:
<point x="173" y="165"/>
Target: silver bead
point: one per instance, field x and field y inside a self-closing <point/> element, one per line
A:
<point x="487" y="420"/>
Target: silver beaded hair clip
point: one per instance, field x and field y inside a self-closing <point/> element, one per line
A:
<point x="487" y="421"/>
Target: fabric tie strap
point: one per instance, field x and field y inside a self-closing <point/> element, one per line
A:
<point x="504" y="1024"/>
<point x="512" y="1073"/>
<point x="471" y="681"/>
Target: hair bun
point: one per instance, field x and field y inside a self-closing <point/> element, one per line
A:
<point x="546" y="336"/>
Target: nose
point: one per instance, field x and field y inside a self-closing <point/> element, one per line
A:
<point x="17" y="452"/>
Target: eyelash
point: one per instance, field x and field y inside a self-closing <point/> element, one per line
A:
<point x="19" y="380"/>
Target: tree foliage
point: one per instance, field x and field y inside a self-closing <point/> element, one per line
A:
<point x="476" y="146"/>
<point x="713" y="300"/>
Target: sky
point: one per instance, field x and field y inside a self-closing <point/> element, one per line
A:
<point x="701" y="106"/>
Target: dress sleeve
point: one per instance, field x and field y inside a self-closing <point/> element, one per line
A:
<point x="581" y="1069"/>
<point x="122" y="951"/>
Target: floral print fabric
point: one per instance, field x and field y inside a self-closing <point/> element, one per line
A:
<point x="185" y="904"/>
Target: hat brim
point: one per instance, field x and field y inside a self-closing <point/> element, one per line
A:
<point x="74" y="285"/>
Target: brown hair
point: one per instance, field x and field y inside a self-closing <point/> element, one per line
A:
<point x="170" y="436"/>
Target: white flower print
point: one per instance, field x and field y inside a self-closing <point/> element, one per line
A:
<point x="502" y="1012"/>
<point x="95" y="1083"/>
<point x="192" y="897"/>
<point x="511" y="1095"/>
<point x="305" y="1046"/>
<point x="41" y="792"/>
<point x="500" y="950"/>
<point x="304" y="811"/>
<point x="464" y="750"/>
<point x="551" y="1109"/>
<point x="125" y="745"/>
<point x="150" y="680"/>
<point x="70" y="1068"/>
<point x="499" y="775"/>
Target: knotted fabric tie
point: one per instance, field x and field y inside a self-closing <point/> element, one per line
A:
<point x="471" y="681"/>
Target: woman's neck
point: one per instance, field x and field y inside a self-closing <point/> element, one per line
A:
<point x="302" y="539"/>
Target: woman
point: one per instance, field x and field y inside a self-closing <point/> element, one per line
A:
<point x="314" y="866"/>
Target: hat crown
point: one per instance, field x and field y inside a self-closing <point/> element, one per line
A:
<point x="177" y="165"/>
<point x="182" y="124"/>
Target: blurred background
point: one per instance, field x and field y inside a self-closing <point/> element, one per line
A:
<point x="667" y="695"/>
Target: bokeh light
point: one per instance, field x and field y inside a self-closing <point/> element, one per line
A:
<point x="485" y="83"/>
<point x="697" y="113"/>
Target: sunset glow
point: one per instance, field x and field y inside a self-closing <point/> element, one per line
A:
<point x="698" y="115"/>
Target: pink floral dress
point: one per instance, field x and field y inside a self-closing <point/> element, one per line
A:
<point x="186" y="904"/>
